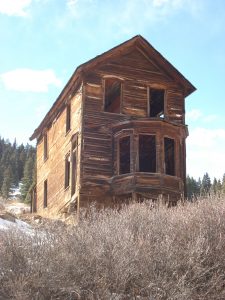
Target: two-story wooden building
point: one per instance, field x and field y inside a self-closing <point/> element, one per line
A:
<point x="117" y="131"/>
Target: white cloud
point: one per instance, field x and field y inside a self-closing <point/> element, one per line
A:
<point x="14" y="7"/>
<point x="210" y="118"/>
<point x="125" y="14"/>
<point x="28" y="80"/>
<point x="193" y="115"/>
<point x="205" y="152"/>
<point x="197" y="115"/>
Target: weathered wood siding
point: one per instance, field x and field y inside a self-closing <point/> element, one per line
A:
<point x="53" y="169"/>
<point x="137" y="74"/>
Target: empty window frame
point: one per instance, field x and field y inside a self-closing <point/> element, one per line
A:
<point x="112" y="95"/>
<point x="74" y="164"/>
<point x="156" y="103"/>
<point x="67" y="170"/>
<point x="45" y="146"/>
<point x="68" y="117"/>
<point x="124" y="155"/>
<point x="45" y="202"/>
<point x="147" y="153"/>
<point x="169" y="156"/>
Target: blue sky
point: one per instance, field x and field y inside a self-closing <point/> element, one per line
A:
<point x="43" y="41"/>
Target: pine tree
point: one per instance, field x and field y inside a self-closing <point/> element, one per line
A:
<point x="193" y="189"/>
<point x="214" y="186"/>
<point x="27" y="179"/>
<point x="21" y="153"/>
<point x="12" y="160"/>
<point x="223" y="184"/>
<point x="206" y="184"/>
<point x="7" y="182"/>
<point x="219" y="187"/>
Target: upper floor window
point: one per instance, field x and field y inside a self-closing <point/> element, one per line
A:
<point x="147" y="153"/>
<point x="169" y="156"/>
<point x="124" y="155"/>
<point x="112" y="95"/>
<point x="68" y="117"/>
<point x="156" y="102"/>
<point x="45" y="146"/>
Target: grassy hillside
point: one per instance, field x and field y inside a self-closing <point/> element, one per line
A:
<point x="156" y="253"/>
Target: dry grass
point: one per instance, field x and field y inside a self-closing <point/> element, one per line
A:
<point x="159" y="253"/>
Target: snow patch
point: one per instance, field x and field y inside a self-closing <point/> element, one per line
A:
<point x="18" y="225"/>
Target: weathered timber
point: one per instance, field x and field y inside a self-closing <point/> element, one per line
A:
<point x="91" y="142"/>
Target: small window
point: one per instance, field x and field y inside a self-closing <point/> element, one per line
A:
<point x="45" y="193"/>
<point x="169" y="152"/>
<point x="156" y="103"/>
<point x="68" y="117"/>
<point x="74" y="164"/>
<point x="45" y="146"/>
<point x="112" y="95"/>
<point x="67" y="170"/>
<point x="124" y="155"/>
<point x="147" y="153"/>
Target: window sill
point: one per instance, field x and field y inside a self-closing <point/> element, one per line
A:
<point x="112" y="113"/>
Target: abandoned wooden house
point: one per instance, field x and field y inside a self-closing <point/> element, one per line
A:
<point x="116" y="132"/>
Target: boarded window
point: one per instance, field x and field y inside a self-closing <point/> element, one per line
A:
<point x="74" y="164"/>
<point x="112" y="95"/>
<point x="156" y="105"/>
<point x="169" y="152"/>
<point x="124" y="155"/>
<point x="45" y="146"/>
<point x="45" y="193"/>
<point x="68" y="117"/>
<point x="67" y="170"/>
<point x="147" y="153"/>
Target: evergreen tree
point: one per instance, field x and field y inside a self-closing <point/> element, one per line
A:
<point x="214" y="186"/>
<point x="223" y="184"/>
<point x="21" y="160"/>
<point x="219" y="187"/>
<point x="12" y="163"/>
<point x="7" y="182"/>
<point x="193" y="188"/>
<point x="27" y="179"/>
<point x="206" y="184"/>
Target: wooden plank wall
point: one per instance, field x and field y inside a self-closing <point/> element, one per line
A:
<point x="137" y="74"/>
<point x="53" y="169"/>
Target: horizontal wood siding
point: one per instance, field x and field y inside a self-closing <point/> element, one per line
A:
<point x="175" y="105"/>
<point x="99" y="153"/>
<point x="53" y="169"/>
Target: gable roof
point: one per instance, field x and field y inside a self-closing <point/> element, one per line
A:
<point x="76" y="78"/>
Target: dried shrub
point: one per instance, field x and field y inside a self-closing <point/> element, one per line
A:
<point x="139" y="251"/>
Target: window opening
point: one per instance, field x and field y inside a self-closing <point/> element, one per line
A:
<point x="45" y="146"/>
<point x="156" y="99"/>
<point x="68" y="117"/>
<point x="67" y="170"/>
<point x="169" y="152"/>
<point x="112" y="95"/>
<point x="147" y="153"/>
<point x="124" y="155"/>
<point x="74" y="164"/>
<point x="45" y="193"/>
<point x="34" y="200"/>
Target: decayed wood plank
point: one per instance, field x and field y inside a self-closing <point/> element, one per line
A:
<point x="139" y="70"/>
